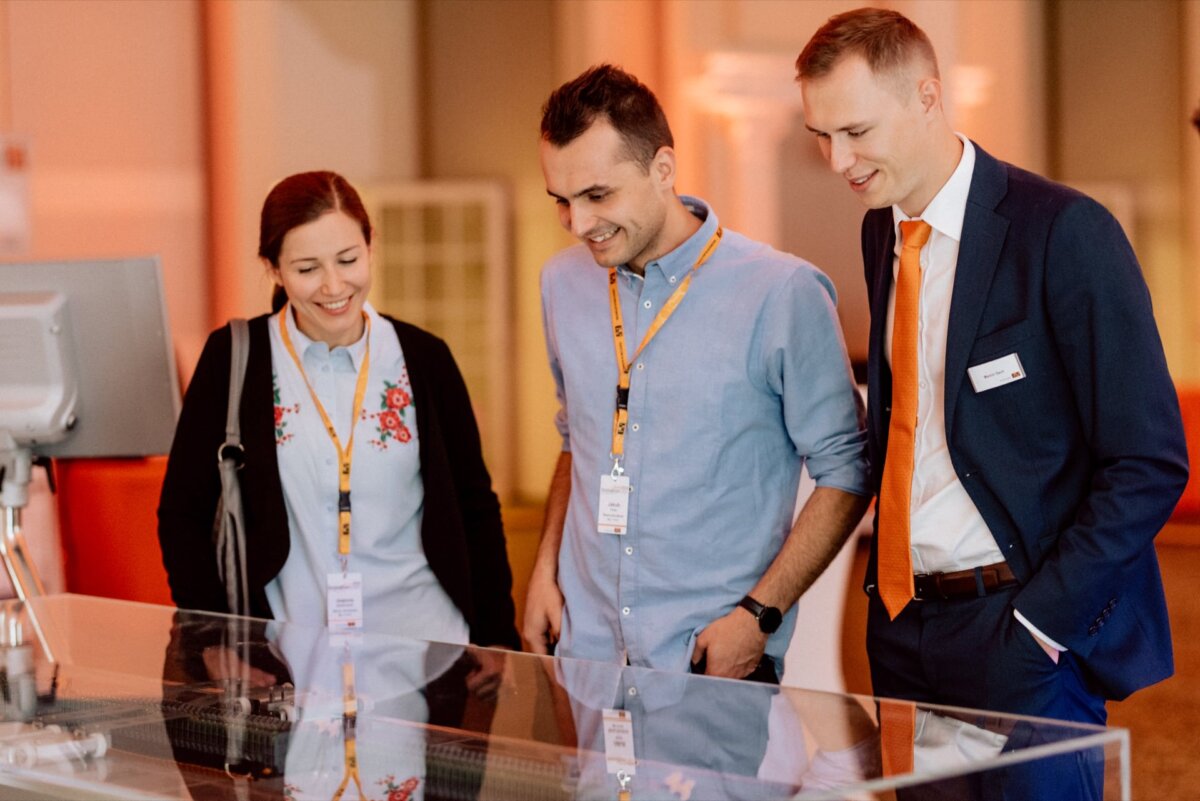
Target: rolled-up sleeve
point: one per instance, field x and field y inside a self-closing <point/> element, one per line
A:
<point x="807" y="365"/>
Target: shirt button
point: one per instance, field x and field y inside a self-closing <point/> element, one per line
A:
<point x="629" y="550"/>
<point x="647" y="304"/>
<point x="672" y="279"/>
<point x="625" y="611"/>
<point x="633" y="690"/>
<point x="636" y="426"/>
<point x="923" y="385"/>
<point x="641" y="366"/>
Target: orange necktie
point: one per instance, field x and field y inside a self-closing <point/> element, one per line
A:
<point x="897" y="725"/>
<point x="895" y="562"/>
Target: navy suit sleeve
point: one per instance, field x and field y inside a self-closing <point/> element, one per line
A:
<point x="1127" y="412"/>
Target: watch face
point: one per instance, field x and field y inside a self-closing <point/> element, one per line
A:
<point x="769" y="619"/>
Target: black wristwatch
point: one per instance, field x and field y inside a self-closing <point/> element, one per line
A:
<point x="768" y="617"/>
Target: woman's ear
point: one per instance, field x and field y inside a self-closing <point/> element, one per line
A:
<point x="272" y="270"/>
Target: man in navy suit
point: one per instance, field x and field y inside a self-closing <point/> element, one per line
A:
<point x="1047" y="449"/>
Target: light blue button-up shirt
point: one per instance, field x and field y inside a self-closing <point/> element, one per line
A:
<point x="401" y="595"/>
<point x="747" y="382"/>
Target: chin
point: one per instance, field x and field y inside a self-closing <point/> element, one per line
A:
<point x="608" y="259"/>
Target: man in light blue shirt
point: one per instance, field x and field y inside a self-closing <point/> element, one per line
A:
<point x="697" y="372"/>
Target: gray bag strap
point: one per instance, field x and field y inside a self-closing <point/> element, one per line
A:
<point x="231" y="550"/>
<point x="231" y="535"/>
<point x="239" y="355"/>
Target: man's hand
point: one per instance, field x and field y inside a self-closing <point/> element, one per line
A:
<point x="731" y="646"/>
<point x="543" y="611"/>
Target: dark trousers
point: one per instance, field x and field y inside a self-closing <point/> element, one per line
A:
<point x="974" y="653"/>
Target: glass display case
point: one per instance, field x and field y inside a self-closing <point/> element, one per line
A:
<point x="149" y="702"/>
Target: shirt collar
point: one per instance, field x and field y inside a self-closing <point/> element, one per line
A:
<point x="308" y="347"/>
<point x="680" y="260"/>
<point x="946" y="211"/>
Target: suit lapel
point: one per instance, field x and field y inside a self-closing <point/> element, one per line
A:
<point x="978" y="255"/>
<point x="879" y="383"/>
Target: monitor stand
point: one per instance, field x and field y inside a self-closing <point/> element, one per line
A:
<point x="16" y="466"/>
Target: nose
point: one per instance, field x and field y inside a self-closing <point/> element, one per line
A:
<point x="841" y="155"/>
<point x="579" y="222"/>
<point x="332" y="283"/>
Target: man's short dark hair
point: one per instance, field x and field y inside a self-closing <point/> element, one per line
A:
<point x="608" y="92"/>
<point x="888" y="41"/>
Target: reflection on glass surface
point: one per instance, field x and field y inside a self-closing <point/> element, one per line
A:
<point x="150" y="702"/>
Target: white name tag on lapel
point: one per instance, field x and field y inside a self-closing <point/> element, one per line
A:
<point x="996" y="373"/>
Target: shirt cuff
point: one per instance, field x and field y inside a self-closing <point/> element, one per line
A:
<point x="1038" y="632"/>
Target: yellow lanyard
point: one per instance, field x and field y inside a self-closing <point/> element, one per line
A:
<point x="349" y="732"/>
<point x="345" y="455"/>
<point x="621" y="413"/>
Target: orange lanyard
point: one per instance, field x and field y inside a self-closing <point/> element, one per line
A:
<point x="349" y="732"/>
<point x="345" y="455"/>
<point x="621" y="413"/>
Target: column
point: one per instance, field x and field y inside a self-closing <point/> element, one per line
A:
<point x="755" y="96"/>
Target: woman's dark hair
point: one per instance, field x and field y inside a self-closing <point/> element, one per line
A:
<point x="300" y="199"/>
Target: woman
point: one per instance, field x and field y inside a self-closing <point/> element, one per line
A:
<point x="425" y="544"/>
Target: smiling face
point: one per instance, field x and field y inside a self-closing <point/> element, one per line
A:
<point x="607" y="200"/>
<point x="885" y="134"/>
<point x="325" y="269"/>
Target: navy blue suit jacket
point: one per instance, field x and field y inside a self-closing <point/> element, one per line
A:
<point x="1076" y="467"/>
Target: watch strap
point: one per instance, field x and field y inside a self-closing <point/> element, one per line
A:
<point x="752" y="606"/>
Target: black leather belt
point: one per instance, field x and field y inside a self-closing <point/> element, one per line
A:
<point x="972" y="583"/>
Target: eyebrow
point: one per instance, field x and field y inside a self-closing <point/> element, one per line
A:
<point x="588" y="191"/>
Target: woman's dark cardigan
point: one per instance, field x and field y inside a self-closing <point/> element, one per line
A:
<point x="461" y="528"/>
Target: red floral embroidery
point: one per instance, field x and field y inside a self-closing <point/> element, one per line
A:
<point x="396" y="398"/>
<point x="390" y="421"/>
<point x="281" y="413"/>
<point x="402" y="791"/>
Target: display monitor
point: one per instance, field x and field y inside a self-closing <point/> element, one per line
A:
<point x="86" y="363"/>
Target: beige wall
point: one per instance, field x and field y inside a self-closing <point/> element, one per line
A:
<point x="114" y="117"/>
<point x="296" y="86"/>
<point x="485" y="77"/>
<point x="1121" y="126"/>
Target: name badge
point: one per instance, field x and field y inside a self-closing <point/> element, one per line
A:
<point x="618" y="742"/>
<point x="344" y="601"/>
<point x="614" y="505"/>
<point x="996" y="373"/>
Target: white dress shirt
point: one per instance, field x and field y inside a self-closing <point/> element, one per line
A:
<point x="947" y="533"/>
